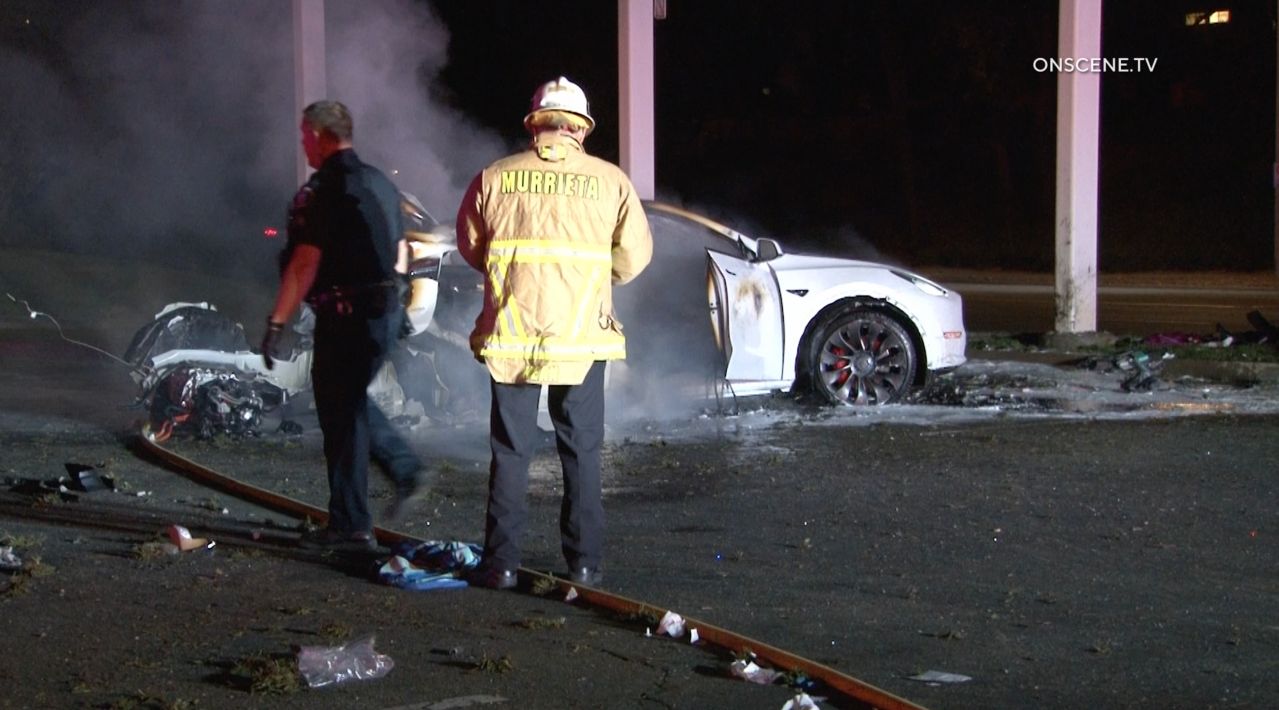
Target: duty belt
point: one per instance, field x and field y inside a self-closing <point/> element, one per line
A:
<point x="345" y="300"/>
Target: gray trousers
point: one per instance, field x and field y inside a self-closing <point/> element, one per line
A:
<point x="577" y="412"/>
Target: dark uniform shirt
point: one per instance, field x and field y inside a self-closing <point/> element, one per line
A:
<point x="350" y="211"/>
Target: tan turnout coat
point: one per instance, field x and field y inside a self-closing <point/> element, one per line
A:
<point x="552" y="229"/>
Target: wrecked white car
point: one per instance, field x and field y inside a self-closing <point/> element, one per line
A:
<point x="854" y="332"/>
<point x="196" y="372"/>
<point x="739" y="315"/>
<point x="717" y="313"/>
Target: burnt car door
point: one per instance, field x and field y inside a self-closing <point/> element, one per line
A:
<point x="746" y="314"/>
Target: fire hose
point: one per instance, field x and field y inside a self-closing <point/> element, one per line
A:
<point x="714" y="635"/>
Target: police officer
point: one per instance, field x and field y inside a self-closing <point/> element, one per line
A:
<point x="552" y="229"/>
<point x="345" y="247"/>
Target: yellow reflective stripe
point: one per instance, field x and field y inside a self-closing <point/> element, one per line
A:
<point x="507" y="308"/>
<point x="588" y="297"/>
<point x="609" y="354"/>
<point x="503" y="253"/>
<point x="545" y="250"/>
<point x="504" y="244"/>
<point x="554" y="344"/>
<point x="526" y="258"/>
<point x="541" y="349"/>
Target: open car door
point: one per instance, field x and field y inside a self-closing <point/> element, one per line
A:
<point x="746" y="313"/>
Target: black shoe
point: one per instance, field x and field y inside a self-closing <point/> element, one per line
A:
<point x="339" y="541"/>
<point x="586" y="576"/>
<point x="492" y="578"/>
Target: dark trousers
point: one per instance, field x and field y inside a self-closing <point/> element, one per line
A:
<point x="349" y="350"/>
<point x="578" y="414"/>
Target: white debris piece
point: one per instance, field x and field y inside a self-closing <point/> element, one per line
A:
<point x="938" y="677"/>
<point x="748" y="670"/>
<point x="181" y="537"/>
<point x="693" y="636"/>
<point x="9" y="561"/>
<point x="801" y="701"/>
<point x="672" y="625"/>
<point x="571" y="595"/>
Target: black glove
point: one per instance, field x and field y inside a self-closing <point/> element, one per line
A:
<point x="269" y="341"/>
<point x="404" y="296"/>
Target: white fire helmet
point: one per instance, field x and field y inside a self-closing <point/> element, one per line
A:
<point x="561" y="95"/>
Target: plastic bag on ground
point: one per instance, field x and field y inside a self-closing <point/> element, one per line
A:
<point x="327" y="665"/>
<point x="672" y="625"/>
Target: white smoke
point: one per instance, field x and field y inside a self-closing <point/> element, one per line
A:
<point x="382" y="59"/>
<point x="168" y="129"/>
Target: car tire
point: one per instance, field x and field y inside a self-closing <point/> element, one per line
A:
<point x="862" y="356"/>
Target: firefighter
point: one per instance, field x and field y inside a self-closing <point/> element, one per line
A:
<point x="345" y="247"/>
<point x="552" y="229"/>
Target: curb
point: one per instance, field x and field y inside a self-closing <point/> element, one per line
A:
<point x="1227" y="372"/>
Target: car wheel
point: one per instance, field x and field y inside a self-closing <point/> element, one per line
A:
<point x="862" y="357"/>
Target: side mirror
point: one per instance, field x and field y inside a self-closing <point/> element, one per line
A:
<point x="767" y="250"/>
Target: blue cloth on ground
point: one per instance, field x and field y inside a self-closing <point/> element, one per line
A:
<point x="433" y="564"/>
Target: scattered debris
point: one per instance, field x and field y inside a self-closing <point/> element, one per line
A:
<point x="1268" y="332"/>
<point x="9" y="561"/>
<point x="801" y="701"/>
<point x="181" y="538"/>
<point x="151" y="551"/>
<point x="80" y="478"/>
<point x="672" y="625"/>
<point x="142" y="700"/>
<point x="747" y="669"/>
<point x="571" y="595"/>
<point x="328" y="665"/>
<point x="693" y="636"/>
<point x="499" y="665"/>
<point x="209" y="503"/>
<point x="940" y="677"/>
<point x="196" y="374"/>
<point x="542" y="586"/>
<point x="1142" y="375"/>
<point x="334" y="631"/>
<point x="646" y="615"/>
<point x="18" y="582"/>
<point x="538" y="623"/>
<point x="84" y="477"/>
<point x="207" y="402"/>
<point x="269" y="675"/>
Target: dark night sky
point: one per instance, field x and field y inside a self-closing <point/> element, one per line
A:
<point x="917" y="130"/>
<point x="920" y="126"/>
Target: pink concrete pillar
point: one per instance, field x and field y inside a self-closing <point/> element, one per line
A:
<point x="635" y="93"/>
<point x="1078" y="127"/>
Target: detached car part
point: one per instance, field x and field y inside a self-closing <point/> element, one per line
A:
<point x="197" y="374"/>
